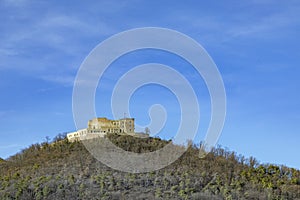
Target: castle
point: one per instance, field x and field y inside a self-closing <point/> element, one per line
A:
<point x="99" y="127"/>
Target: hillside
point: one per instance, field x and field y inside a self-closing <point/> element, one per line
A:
<point x="64" y="170"/>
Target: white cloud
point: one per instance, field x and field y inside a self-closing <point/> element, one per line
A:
<point x="16" y="2"/>
<point x="10" y="146"/>
<point x="265" y="26"/>
<point x="65" y="80"/>
<point x="240" y="23"/>
<point x="4" y="113"/>
<point x="8" y="52"/>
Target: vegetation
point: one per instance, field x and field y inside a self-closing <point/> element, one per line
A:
<point x="64" y="170"/>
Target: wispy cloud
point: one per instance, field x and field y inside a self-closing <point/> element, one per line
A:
<point x="266" y="25"/>
<point x="257" y="23"/>
<point x="10" y="146"/>
<point x="4" y="113"/>
<point x="15" y="2"/>
<point x="8" y="52"/>
<point x="46" y="37"/>
<point x="65" y="80"/>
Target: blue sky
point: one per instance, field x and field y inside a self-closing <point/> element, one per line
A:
<point x="255" y="45"/>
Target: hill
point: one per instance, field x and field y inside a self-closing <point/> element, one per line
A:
<point x="64" y="170"/>
<point x="1" y="160"/>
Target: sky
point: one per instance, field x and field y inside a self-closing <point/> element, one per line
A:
<point x="255" y="45"/>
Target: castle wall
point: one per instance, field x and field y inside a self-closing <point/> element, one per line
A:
<point x="99" y="127"/>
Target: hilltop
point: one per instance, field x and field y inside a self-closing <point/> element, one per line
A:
<point x="65" y="170"/>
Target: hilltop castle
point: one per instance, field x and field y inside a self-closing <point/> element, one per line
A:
<point x="99" y="127"/>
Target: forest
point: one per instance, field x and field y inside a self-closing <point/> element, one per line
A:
<point x="59" y="169"/>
